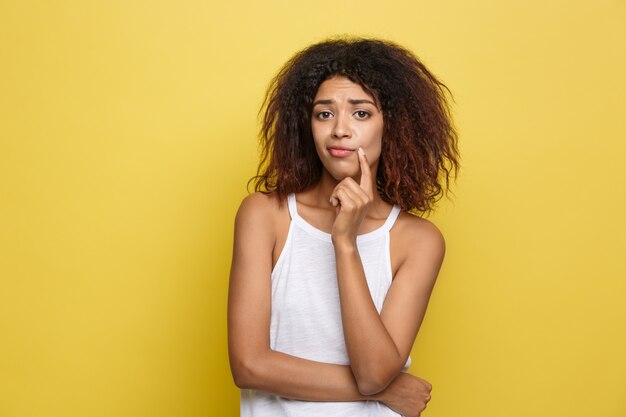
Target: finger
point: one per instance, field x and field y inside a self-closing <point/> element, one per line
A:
<point x="349" y="186"/>
<point x="356" y="191"/>
<point x="334" y="200"/>
<point x="345" y="199"/>
<point x="366" y="173"/>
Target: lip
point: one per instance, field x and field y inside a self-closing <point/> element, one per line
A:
<point x="340" y="152"/>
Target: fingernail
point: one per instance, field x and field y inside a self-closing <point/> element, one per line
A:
<point x="361" y="151"/>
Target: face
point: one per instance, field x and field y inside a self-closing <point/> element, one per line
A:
<point x="345" y="118"/>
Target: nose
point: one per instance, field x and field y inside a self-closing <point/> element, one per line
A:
<point x="341" y="128"/>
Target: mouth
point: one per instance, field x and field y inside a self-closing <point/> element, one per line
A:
<point x="340" y="152"/>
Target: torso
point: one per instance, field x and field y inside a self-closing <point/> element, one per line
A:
<point x="299" y="324"/>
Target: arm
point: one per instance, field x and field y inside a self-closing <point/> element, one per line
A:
<point x="378" y="346"/>
<point x="253" y="364"/>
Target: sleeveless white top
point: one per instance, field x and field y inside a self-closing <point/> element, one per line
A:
<point x="306" y="313"/>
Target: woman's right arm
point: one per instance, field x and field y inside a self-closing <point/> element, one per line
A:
<point x="254" y="364"/>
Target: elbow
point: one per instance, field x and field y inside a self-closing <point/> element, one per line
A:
<point x="371" y="383"/>
<point x="375" y="379"/>
<point x="243" y="373"/>
<point x="369" y="386"/>
<point x="241" y="376"/>
<point x="249" y="367"/>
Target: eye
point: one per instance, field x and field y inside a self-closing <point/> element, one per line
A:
<point x="362" y="114"/>
<point x="324" y="115"/>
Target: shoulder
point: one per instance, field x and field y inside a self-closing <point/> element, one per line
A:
<point x="259" y="211"/>
<point x="259" y="202"/>
<point x="418" y="237"/>
<point x="418" y="230"/>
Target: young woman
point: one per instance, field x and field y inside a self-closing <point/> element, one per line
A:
<point x="331" y="273"/>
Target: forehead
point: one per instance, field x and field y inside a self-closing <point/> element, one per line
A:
<point x="340" y="86"/>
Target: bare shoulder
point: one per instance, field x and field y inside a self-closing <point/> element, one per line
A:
<point x="417" y="237"/>
<point x="260" y="206"/>
<point x="418" y="231"/>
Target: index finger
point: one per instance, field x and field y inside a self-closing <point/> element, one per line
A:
<point x="366" y="174"/>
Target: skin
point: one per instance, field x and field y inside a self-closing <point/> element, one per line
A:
<point x="345" y="203"/>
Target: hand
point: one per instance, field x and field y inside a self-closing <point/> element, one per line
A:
<point x="407" y="395"/>
<point x="352" y="201"/>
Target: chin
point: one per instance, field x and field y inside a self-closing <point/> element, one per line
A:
<point x="340" y="175"/>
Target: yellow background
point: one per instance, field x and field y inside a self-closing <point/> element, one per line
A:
<point x="127" y="135"/>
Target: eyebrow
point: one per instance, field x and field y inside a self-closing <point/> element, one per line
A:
<point x="351" y="101"/>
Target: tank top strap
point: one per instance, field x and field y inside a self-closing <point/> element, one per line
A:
<point x="391" y="219"/>
<point x="291" y="202"/>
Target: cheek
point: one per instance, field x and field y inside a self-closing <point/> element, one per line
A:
<point x="316" y="137"/>
<point x="375" y="152"/>
<point x="318" y="132"/>
<point x="375" y="144"/>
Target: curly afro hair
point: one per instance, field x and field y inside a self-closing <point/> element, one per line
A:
<point x="419" y="145"/>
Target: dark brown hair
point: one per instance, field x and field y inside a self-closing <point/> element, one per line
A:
<point x="419" y="145"/>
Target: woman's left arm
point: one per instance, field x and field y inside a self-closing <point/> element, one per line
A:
<point x="379" y="345"/>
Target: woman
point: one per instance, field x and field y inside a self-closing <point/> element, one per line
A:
<point x="331" y="274"/>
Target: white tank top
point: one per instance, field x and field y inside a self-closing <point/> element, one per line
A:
<point x="306" y="314"/>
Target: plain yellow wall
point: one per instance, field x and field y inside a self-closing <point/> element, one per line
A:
<point x="127" y="135"/>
